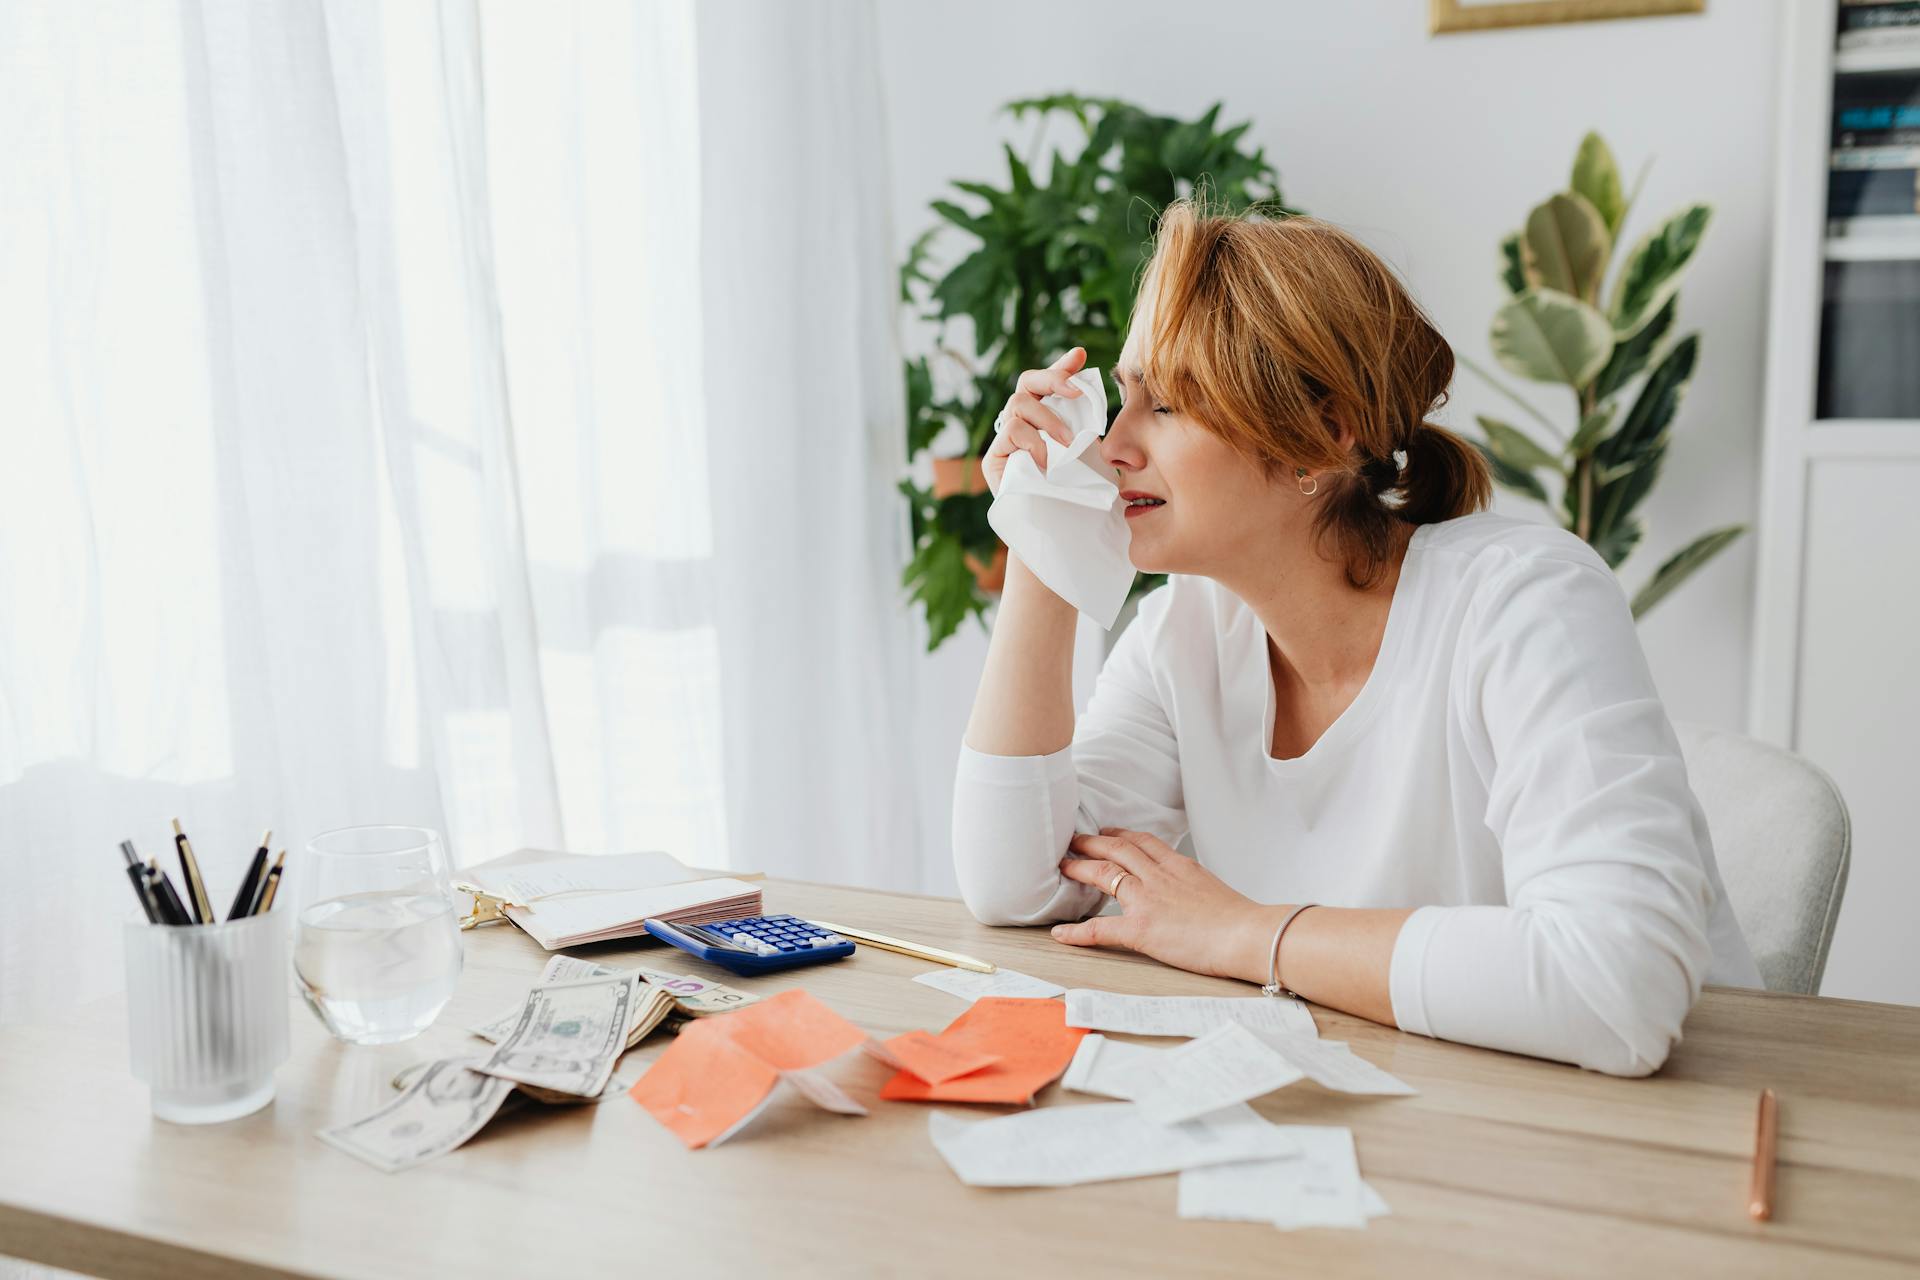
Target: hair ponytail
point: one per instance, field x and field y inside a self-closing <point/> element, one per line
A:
<point x="1445" y="477"/>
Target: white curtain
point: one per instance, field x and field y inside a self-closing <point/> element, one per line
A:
<point x="481" y="415"/>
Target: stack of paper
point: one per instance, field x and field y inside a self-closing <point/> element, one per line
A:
<point x="562" y="900"/>
<point x="602" y="917"/>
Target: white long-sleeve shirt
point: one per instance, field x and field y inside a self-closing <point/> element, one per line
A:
<point x="1507" y="769"/>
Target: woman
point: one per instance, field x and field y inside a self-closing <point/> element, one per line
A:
<point x="1426" y="774"/>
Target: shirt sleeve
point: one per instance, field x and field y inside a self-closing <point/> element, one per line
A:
<point x="1013" y="815"/>
<point x="1601" y="949"/>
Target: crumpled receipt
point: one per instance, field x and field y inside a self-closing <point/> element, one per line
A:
<point x="1066" y="523"/>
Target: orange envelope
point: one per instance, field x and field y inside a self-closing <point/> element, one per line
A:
<point x="1030" y="1037"/>
<point x="720" y="1070"/>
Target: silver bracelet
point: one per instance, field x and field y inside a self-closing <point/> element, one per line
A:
<point x="1273" y="987"/>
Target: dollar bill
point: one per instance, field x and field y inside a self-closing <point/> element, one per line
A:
<point x="445" y="1105"/>
<point x="569" y="1035"/>
<point x="697" y="997"/>
<point x="693" y="996"/>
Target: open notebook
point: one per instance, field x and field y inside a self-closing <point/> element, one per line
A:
<point x="563" y="899"/>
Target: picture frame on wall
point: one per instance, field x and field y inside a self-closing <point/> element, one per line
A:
<point x="1453" y="16"/>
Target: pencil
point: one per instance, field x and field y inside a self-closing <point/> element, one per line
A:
<point x="250" y="883"/>
<point x="915" y="949"/>
<point x="190" y="871"/>
<point x="1766" y="1143"/>
<point x="271" y="885"/>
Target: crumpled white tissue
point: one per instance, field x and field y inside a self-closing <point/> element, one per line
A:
<point x="1066" y="524"/>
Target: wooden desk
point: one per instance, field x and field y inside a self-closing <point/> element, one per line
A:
<point x="1502" y="1164"/>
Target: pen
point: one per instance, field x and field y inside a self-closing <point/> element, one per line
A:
<point x="172" y="910"/>
<point x="915" y="949"/>
<point x="137" y="872"/>
<point x="1766" y="1142"/>
<point x="190" y="871"/>
<point x="250" y="883"/>
<point x="270" y="886"/>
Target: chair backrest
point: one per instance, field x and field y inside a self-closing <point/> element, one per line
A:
<point x="1782" y="838"/>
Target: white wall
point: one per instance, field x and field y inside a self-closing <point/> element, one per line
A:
<point x="1430" y="148"/>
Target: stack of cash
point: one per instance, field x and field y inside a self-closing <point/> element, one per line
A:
<point x="560" y="1046"/>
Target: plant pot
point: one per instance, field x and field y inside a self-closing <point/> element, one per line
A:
<point x="953" y="476"/>
<point x="991" y="577"/>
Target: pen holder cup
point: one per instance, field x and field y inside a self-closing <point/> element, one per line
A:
<point x="207" y="1015"/>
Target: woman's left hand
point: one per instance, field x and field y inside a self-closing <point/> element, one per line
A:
<point x="1177" y="911"/>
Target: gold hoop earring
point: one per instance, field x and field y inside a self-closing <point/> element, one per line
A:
<point x="1309" y="485"/>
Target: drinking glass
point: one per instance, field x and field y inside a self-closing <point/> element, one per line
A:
<point x="377" y="952"/>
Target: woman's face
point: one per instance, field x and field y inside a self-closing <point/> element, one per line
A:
<point x="1210" y="508"/>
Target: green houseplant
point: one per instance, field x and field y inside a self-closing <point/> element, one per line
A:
<point x="1554" y="329"/>
<point x="1047" y="265"/>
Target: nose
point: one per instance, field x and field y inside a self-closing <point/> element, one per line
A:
<point x="1120" y="448"/>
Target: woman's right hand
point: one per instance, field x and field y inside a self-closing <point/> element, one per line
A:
<point x="1026" y="418"/>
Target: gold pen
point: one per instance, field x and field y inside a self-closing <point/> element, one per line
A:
<point x="190" y="869"/>
<point x="271" y="885"/>
<point x="905" y="948"/>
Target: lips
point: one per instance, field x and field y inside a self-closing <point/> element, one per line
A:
<point x="1139" y="502"/>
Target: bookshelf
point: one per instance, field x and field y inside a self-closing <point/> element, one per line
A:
<point x="1837" y="615"/>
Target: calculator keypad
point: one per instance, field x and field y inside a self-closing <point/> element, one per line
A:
<point x="775" y="935"/>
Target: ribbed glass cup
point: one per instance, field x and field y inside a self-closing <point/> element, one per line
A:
<point x="207" y="1015"/>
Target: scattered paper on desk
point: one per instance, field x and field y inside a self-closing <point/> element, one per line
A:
<point x="1227" y="1065"/>
<point x="1005" y="982"/>
<point x="1321" y="1187"/>
<point x="1332" y="1064"/>
<point x="444" y="1106"/>
<point x="1184" y="1015"/>
<point x="720" y="1072"/>
<point x="928" y="1057"/>
<point x="1030" y="1037"/>
<point x="1065" y="1146"/>
<point x="1372" y="1203"/>
<point x="1101" y="1065"/>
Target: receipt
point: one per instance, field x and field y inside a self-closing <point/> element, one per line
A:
<point x="1101" y="1065"/>
<point x="1227" y="1065"/>
<point x="1184" y="1015"/>
<point x="1332" y="1064"/>
<point x="1005" y="982"/>
<point x="1321" y="1187"/>
<point x="1066" y="523"/>
<point x="1065" y="1146"/>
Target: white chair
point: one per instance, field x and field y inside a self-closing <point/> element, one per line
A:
<point x="1783" y="840"/>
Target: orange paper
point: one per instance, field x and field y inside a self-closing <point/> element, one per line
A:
<point x="1030" y="1037"/>
<point x="928" y="1057"/>
<point x="719" y="1070"/>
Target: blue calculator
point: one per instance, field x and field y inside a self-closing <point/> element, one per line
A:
<point x="755" y="944"/>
